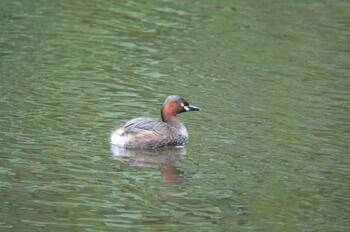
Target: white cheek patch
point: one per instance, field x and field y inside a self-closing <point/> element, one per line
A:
<point x="185" y="107"/>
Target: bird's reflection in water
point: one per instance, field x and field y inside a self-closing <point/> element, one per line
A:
<point x="166" y="157"/>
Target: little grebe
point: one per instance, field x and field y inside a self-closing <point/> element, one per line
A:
<point x="144" y="132"/>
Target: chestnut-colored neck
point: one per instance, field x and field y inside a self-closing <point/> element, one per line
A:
<point x="169" y="112"/>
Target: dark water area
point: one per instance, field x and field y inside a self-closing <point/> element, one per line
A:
<point x="269" y="151"/>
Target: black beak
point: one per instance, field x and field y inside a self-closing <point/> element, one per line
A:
<point x="192" y="108"/>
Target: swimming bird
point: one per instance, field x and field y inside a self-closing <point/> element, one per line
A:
<point x="146" y="132"/>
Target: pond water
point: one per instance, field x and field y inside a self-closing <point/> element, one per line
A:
<point x="268" y="152"/>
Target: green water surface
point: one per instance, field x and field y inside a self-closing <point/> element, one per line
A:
<point x="268" y="152"/>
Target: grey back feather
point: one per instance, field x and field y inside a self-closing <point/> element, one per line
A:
<point x="149" y="132"/>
